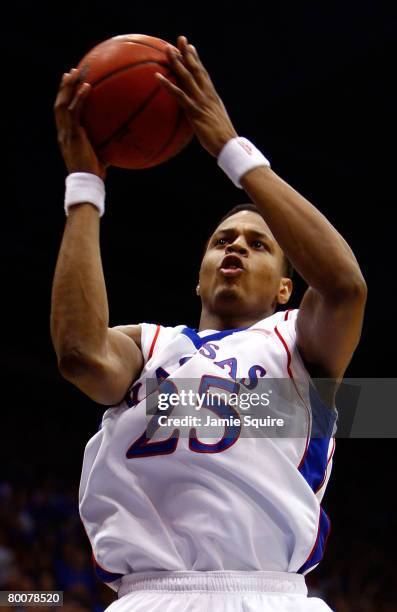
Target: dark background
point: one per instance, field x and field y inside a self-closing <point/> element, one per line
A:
<point x="312" y="86"/>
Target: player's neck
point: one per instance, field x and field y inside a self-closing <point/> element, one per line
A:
<point x="209" y="320"/>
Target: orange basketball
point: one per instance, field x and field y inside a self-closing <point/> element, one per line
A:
<point x="131" y="120"/>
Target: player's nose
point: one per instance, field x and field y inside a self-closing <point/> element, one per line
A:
<point x="237" y="246"/>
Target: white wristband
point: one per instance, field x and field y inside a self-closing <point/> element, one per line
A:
<point x="85" y="187"/>
<point x="238" y="156"/>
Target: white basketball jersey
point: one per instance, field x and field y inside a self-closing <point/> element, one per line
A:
<point x="228" y="501"/>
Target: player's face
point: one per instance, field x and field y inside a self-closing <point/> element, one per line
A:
<point x="242" y="269"/>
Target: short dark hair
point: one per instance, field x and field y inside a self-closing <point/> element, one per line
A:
<point x="288" y="269"/>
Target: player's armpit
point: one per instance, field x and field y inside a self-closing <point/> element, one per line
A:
<point x="132" y="331"/>
<point x="106" y="378"/>
<point x="329" y="329"/>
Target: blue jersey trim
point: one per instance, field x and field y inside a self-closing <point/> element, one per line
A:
<point x="315" y="462"/>
<point x="319" y="547"/>
<point x="323" y="417"/>
<point x="314" y="467"/>
<point x="198" y="341"/>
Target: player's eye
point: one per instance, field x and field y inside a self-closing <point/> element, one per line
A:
<point x="257" y="244"/>
<point x="221" y="241"/>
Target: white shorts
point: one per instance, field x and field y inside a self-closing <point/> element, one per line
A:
<point x="220" y="591"/>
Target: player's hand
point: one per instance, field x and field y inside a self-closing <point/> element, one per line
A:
<point x="77" y="151"/>
<point x="198" y="97"/>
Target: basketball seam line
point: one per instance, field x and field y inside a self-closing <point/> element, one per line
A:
<point x="170" y="138"/>
<point x="129" y="120"/>
<point x="144" y="44"/>
<point x="126" y="67"/>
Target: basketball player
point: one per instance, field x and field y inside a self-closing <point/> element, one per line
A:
<point x="231" y="523"/>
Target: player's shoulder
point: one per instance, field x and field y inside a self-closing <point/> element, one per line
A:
<point x="150" y="337"/>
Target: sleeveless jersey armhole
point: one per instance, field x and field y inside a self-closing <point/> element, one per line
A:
<point x="328" y="414"/>
<point x="149" y="340"/>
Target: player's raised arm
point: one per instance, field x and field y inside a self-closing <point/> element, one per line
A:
<point x="331" y="314"/>
<point x="102" y="362"/>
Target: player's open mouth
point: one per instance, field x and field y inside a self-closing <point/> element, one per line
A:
<point x="231" y="266"/>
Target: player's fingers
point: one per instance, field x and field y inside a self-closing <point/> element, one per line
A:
<point x="61" y="95"/>
<point x="74" y="77"/>
<point x="66" y="91"/>
<point x="79" y="98"/>
<point x="205" y="79"/>
<point x="183" y="73"/>
<point x="183" y="99"/>
<point x="191" y="57"/>
<point x="69" y="81"/>
<point x="181" y="43"/>
<point x="62" y="118"/>
<point x="183" y="47"/>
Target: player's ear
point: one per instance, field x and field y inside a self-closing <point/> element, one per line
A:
<point x="285" y="290"/>
<point x="198" y="290"/>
